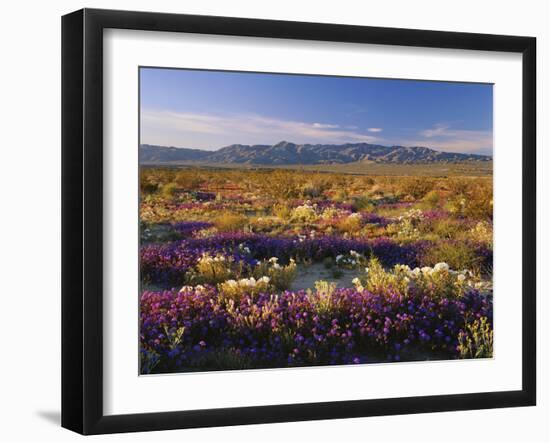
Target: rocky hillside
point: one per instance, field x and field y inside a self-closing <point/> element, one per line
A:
<point x="286" y="153"/>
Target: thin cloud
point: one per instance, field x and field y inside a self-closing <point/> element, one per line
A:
<point x="374" y="129"/>
<point x="211" y="131"/>
<point x="325" y="126"/>
<point x="445" y="138"/>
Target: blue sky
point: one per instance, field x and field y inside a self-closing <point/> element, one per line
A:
<point x="212" y="109"/>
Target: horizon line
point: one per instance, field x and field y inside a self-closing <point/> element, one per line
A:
<point x="316" y="144"/>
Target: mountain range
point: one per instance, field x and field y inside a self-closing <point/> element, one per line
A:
<point x="287" y="153"/>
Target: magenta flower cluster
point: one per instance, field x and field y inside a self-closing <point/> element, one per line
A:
<point x="291" y="329"/>
<point x="170" y="263"/>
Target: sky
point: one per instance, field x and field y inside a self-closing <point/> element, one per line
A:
<point x="211" y="109"/>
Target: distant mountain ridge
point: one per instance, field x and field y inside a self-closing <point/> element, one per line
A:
<point x="287" y="153"/>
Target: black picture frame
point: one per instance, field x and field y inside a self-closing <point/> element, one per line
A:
<point x="82" y="218"/>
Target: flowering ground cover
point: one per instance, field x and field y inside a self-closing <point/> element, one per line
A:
<point x="404" y="268"/>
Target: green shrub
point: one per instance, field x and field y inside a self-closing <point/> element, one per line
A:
<point x="148" y="187"/>
<point x="341" y="195"/>
<point x="457" y="254"/>
<point x="189" y="180"/>
<point x="281" y="184"/>
<point x="363" y="203"/>
<point x="437" y="282"/>
<point x="322" y="299"/>
<point x="216" y="269"/>
<point x="169" y="189"/>
<point x="350" y="224"/>
<point x="476" y="341"/>
<point x="416" y="187"/>
<point x="431" y="200"/>
<point x="479" y="203"/>
<point x="446" y="228"/>
<point x="280" y="276"/>
<point x="230" y="222"/>
<point x="282" y="211"/>
<point x="304" y="213"/>
<point x="235" y="289"/>
<point x="148" y="361"/>
<point x="315" y="187"/>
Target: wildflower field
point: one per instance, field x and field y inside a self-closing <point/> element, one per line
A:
<point x="281" y="268"/>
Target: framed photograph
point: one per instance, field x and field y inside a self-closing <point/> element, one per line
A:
<point x="269" y="221"/>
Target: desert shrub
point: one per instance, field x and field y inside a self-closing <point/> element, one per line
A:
<point x="379" y="280"/>
<point x="281" y="184"/>
<point x="341" y="195"/>
<point x="189" y="180"/>
<point x="149" y="188"/>
<point x="457" y="186"/>
<point x="456" y="204"/>
<point x="351" y="260"/>
<point x="476" y="341"/>
<point x="416" y="187"/>
<point x="431" y="200"/>
<point x="169" y="189"/>
<point x="436" y="282"/>
<point x="330" y="213"/>
<point x="281" y="277"/>
<point x="235" y="289"/>
<point x="479" y="203"/>
<point x="407" y="225"/>
<point x="304" y="213"/>
<point x="160" y="176"/>
<point x="472" y="198"/>
<point x="446" y="228"/>
<point x="376" y="191"/>
<point x="362" y="203"/>
<point x="315" y="187"/>
<point x="458" y="255"/>
<point x="482" y="232"/>
<point x="350" y="224"/>
<point x="213" y="269"/>
<point x="323" y="300"/>
<point x="266" y="224"/>
<point x="282" y="211"/>
<point x="368" y="181"/>
<point x="230" y="221"/>
<point x="148" y="361"/>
